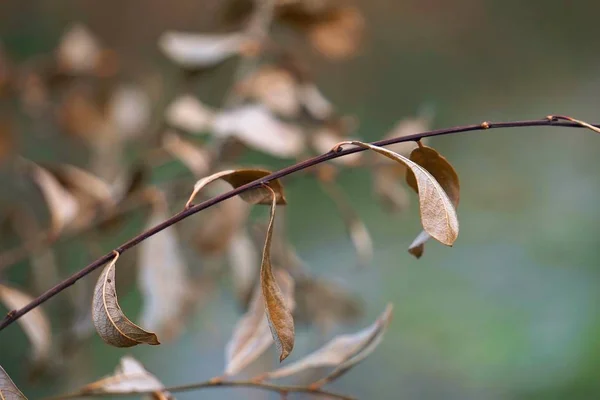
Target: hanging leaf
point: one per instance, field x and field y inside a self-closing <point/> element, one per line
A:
<point x="189" y="114"/>
<point x="162" y="278"/>
<point x="256" y="127"/>
<point x="8" y="389"/>
<point x="191" y="50"/>
<point x="343" y="351"/>
<point x="438" y="215"/>
<point x="130" y="376"/>
<point x="35" y="323"/>
<point x="444" y="173"/>
<point x="240" y="177"/>
<point x="252" y="336"/>
<point x="111" y="323"/>
<point x="195" y="158"/>
<point x="279" y="315"/>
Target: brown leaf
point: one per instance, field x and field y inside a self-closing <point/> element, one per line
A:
<point x="162" y="278"/>
<point x="35" y="323"/>
<point x="252" y="336"/>
<point x="111" y="323"/>
<point x="190" y="50"/>
<point x="446" y="176"/>
<point x="279" y="315"/>
<point x="8" y="389"/>
<point x="257" y="128"/>
<point x="240" y="177"/>
<point x="189" y="114"/>
<point x="438" y="215"/>
<point x="195" y="158"/>
<point x="343" y="351"/>
<point x="129" y="377"/>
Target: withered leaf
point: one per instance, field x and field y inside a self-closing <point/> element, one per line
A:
<point x="189" y="114"/>
<point x="438" y="215"/>
<point x="195" y="158"/>
<point x="444" y="173"/>
<point x="343" y="351"/>
<point x="256" y="127"/>
<point x="8" y="389"/>
<point x="111" y="323"/>
<point x="130" y="376"/>
<point x="252" y="336"/>
<point x="240" y="177"/>
<point x="191" y="50"/>
<point x="278" y="313"/>
<point x="35" y="323"/>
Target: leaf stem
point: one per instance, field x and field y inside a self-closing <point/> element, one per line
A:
<point x="13" y="315"/>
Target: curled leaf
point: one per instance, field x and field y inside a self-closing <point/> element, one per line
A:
<point x="278" y="313"/>
<point x="162" y="278"/>
<point x="191" y="50"/>
<point x="111" y="323"/>
<point x="130" y="376"/>
<point x="35" y="323"/>
<point x="256" y="127"/>
<point x="252" y="336"/>
<point x="195" y="158"/>
<point x="240" y="177"/>
<point x="438" y="215"/>
<point x="343" y="351"/>
<point x="444" y="174"/>
<point x="8" y="389"/>
<point x="189" y="114"/>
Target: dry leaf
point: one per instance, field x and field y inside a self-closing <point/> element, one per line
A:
<point x="446" y="176"/>
<point x="274" y="87"/>
<point x="438" y="215"/>
<point x="314" y="102"/>
<point x="339" y="34"/>
<point x="162" y="278"/>
<point x="256" y="127"/>
<point x="195" y="158"/>
<point x="111" y="323"/>
<point x="252" y="336"/>
<point x="191" y="50"/>
<point x="130" y="376"/>
<point x="343" y="351"/>
<point x="189" y="114"/>
<point x="240" y="177"/>
<point x="8" y="389"/>
<point x="79" y="50"/>
<point x="279" y="315"/>
<point x="35" y="323"/>
<point x="62" y="205"/>
<point x="244" y="264"/>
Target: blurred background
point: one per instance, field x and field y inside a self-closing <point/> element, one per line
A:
<point x="510" y="312"/>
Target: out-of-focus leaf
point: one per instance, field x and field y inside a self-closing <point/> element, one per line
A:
<point x="275" y="87"/>
<point x="444" y="173"/>
<point x="244" y="264"/>
<point x="192" y="50"/>
<point x="195" y="158"/>
<point x="78" y="50"/>
<point x="62" y="205"/>
<point x="8" y="389"/>
<point x="278" y="313"/>
<point x="129" y="110"/>
<point x="35" y="323"/>
<point x="256" y="127"/>
<point x="130" y="376"/>
<point x="251" y="335"/>
<point x="339" y="34"/>
<point x="111" y="323"/>
<point x="162" y="278"/>
<point x="75" y="179"/>
<point x="387" y="188"/>
<point x="189" y="114"/>
<point x="314" y="102"/>
<point x="343" y="351"/>
<point x="438" y="215"/>
<point x="240" y="177"/>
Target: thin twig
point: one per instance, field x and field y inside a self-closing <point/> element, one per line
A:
<point x="13" y="315"/>
<point x="215" y="383"/>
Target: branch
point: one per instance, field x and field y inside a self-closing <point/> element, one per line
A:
<point x="215" y="383"/>
<point x="13" y="315"/>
